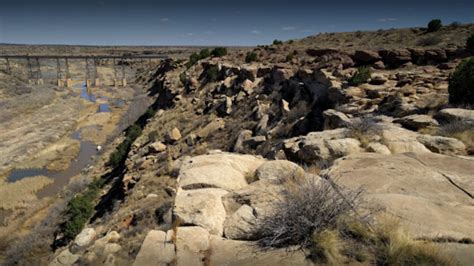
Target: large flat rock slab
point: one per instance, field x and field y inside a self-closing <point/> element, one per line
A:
<point x="415" y="188"/>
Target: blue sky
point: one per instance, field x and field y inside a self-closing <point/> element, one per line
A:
<point x="185" y="22"/>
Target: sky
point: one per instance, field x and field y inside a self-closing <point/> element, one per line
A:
<point x="211" y="22"/>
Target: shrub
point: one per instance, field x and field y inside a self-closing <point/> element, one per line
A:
<point x="364" y="129"/>
<point x="461" y="83"/>
<point x="289" y="57"/>
<point x="251" y="57"/>
<point x="152" y="136"/>
<point x="470" y="42"/>
<point x="212" y="73"/>
<point x="204" y="53"/>
<point x="362" y="75"/>
<point x="277" y="42"/>
<point x="434" y="25"/>
<point x="183" y="79"/>
<point x="433" y="40"/>
<point x="305" y="209"/>
<point x="133" y="132"/>
<point x="79" y="210"/>
<point x="194" y="57"/>
<point x="219" y="52"/>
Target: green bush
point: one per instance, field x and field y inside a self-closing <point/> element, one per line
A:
<point x="133" y="132"/>
<point x="470" y="42"/>
<point x="204" y="53"/>
<point x="277" y="42"/>
<point x="250" y="57"/>
<point x="212" y="73"/>
<point x="183" y="79"/>
<point x="461" y="83"/>
<point x="219" y="52"/>
<point x="194" y="57"/>
<point x="79" y="210"/>
<point x="434" y="25"/>
<point x="362" y="75"/>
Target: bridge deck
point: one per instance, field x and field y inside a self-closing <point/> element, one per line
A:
<point x="87" y="56"/>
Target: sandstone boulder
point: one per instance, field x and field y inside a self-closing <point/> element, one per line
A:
<point x="173" y="135"/>
<point x="242" y="224"/>
<point x="364" y="57"/>
<point x="279" y="170"/>
<point x="452" y="114"/>
<point x="417" y="122"/>
<point x="155" y="250"/>
<point x="334" y="119"/>
<point x="84" y="239"/>
<point x="202" y="207"/>
<point x="400" y="140"/>
<point x="395" y="57"/>
<point x="191" y="245"/>
<point x="443" y="145"/>
<point x="65" y="258"/>
<point x="156" y="147"/>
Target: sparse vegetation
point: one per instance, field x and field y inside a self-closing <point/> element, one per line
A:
<point x="277" y="42"/>
<point x="219" y="52"/>
<point x="470" y="42"/>
<point x="461" y="83"/>
<point x="362" y="75"/>
<point x="365" y="130"/>
<point x="212" y="73"/>
<point x="79" y="210"/>
<point x="153" y="136"/>
<point x="306" y="209"/>
<point x="289" y="57"/>
<point x="428" y="41"/>
<point x="194" y="57"/>
<point x="251" y="57"/>
<point x="461" y="130"/>
<point x="434" y="25"/>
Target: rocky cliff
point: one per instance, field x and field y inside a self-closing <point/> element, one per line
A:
<point x="226" y="136"/>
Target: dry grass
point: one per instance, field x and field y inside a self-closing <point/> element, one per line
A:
<point x="460" y="130"/>
<point x="365" y="129"/>
<point x="326" y="248"/>
<point x="392" y="245"/>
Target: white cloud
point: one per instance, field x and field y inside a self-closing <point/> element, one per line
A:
<point x="256" y="32"/>
<point x="386" y="19"/>
<point x="164" y="19"/>
<point x="288" y="28"/>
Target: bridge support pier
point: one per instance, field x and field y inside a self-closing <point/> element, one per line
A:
<point x="60" y="83"/>
<point x="88" y="83"/>
<point x="124" y="82"/>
